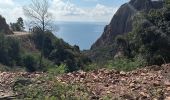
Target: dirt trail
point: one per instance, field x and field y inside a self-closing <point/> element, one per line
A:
<point x="19" y="34"/>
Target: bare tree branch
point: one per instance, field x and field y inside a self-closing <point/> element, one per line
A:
<point x="40" y="18"/>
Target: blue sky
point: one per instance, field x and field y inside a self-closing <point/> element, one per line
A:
<point x="66" y="10"/>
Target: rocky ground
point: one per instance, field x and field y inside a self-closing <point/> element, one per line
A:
<point x="150" y="83"/>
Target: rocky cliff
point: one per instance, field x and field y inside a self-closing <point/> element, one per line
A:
<point x="4" y="28"/>
<point x="121" y="22"/>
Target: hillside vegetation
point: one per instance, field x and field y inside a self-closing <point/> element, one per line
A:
<point x="23" y="52"/>
<point x="147" y="44"/>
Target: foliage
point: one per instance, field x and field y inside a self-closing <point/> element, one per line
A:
<point x="59" y="52"/>
<point x="154" y="37"/>
<point x="18" y="26"/>
<point x="50" y="89"/>
<point x="55" y="70"/>
<point x="125" y="64"/>
<point x="9" y="51"/>
<point x="150" y="37"/>
<point x="91" y="66"/>
<point x="30" y="62"/>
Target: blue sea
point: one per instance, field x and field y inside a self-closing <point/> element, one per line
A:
<point x="83" y="34"/>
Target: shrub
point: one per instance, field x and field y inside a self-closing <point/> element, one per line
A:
<point x="9" y="51"/>
<point x="90" y="67"/>
<point x="55" y="70"/>
<point x="30" y="62"/>
<point x="126" y="64"/>
<point x="49" y="89"/>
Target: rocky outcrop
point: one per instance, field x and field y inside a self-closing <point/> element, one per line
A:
<point x="4" y="28"/>
<point x="121" y="22"/>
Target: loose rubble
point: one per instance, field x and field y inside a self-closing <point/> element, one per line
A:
<point x="149" y="83"/>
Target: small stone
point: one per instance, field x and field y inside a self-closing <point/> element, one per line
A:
<point x="39" y="82"/>
<point x="144" y="78"/>
<point x="168" y="88"/>
<point x="144" y="82"/>
<point x="143" y="94"/>
<point x="123" y="79"/>
<point x="155" y="99"/>
<point x="132" y="85"/>
<point x="156" y="83"/>
<point x="108" y="92"/>
<point x="167" y="83"/>
<point x="167" y="98"/>
<point x="142" y="74"/>
<point x="122" y="73"/>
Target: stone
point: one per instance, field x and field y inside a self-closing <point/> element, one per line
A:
<point x="156" y="83"/>
<point x="167" y="83"/>
<point x="168" y="89"/>
<point x="167" y="98"/>
<point x="144" y="94"/>
<point x="122" y="73"/>
<point x="143" y="74"/>
<point x="132" y="85"/>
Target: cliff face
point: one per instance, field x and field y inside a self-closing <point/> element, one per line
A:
<point x="4" y="28"/>
<point x="121" y="22"/>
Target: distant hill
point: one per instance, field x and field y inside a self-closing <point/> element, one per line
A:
<point x="4" y="28"/>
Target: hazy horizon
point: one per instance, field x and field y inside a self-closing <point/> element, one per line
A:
<point x="83" y="34"/>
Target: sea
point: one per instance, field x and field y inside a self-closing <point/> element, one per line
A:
<point x="82" y="34"/>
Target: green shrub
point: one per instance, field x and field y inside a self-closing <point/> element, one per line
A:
<point x="9" y="51"/>
<point x="49" y="89"/>
<point x="30" y="62"/>
<point x="55" y="70"/>
<point x="58" y="51"/>
<point x="126" y="64"/>
<point x="90" y="67"/>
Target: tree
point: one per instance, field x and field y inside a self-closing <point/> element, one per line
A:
<point x="167" y="4"/>
<point x="18" y="26"/>
<point x="40" y="17"/>
<point x="20" y="23"/>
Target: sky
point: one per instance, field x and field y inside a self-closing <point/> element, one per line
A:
<point x="66" y="10"/>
